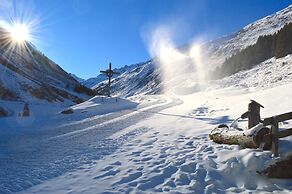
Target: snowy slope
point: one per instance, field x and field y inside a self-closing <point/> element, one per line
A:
<point x="149" y="143"/>
<point x="93" y="82"/>
<point x="270" y="73"/>
<point x="80" y="80"/>
<point x="100" y="105"/>
<point x="141" y="79"/>
<point x="225" y="47"/>
<point x="215" y="52"/>
<point x="27" y="75"/>
<point x="169" y="150"/>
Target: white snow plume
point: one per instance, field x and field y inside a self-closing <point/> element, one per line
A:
<point x="183" y="69"/>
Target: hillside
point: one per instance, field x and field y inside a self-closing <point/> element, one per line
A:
<point x="94" y="82"/>
<point x="215" y="53"/>
<point x="143" y="78"/>
<point x="227" y="46"/>
<point x="158" y="143"/>
<point x="276" y="45"/>
<point x="27" y="75"/>
<point x="155" y="134"/>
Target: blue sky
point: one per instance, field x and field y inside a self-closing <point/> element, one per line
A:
<point x="83" y="36"/>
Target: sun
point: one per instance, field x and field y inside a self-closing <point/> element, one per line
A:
<point x="19" y="33"/>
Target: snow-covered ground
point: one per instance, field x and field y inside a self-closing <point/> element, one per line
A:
<point x="149" y="144"/>
<point x="170" y="151"/>
<point x="49" y="143"/>
<point x="270" y="73"/>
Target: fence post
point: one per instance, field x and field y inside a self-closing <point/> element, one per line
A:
<point x="274" y="128"/>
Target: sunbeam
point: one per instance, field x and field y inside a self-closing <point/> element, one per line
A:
<point x="18" y="31"/>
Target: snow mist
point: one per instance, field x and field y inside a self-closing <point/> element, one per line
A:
<point x="182" y="69"/>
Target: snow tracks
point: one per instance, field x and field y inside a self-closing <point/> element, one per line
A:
<point x="30" y="159"/>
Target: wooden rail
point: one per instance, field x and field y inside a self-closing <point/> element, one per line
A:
<point x="275" y="134"/>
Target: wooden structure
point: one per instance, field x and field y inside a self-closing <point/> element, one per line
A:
<point x="253" y="114"/>
<point x="275" y="134"/>
<point x="264" y="137"/>
<point x="251" y="138"/>
<point x="109" y="72"/>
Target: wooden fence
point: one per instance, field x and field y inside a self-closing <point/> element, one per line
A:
<point x="275" y="134"/>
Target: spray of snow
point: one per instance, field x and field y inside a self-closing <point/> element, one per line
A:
<point x="183" y="70"/>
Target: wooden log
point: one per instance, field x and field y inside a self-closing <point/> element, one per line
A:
<point x="251" y="138"/>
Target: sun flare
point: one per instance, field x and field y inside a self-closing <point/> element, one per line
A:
<point x="19" y="33"/>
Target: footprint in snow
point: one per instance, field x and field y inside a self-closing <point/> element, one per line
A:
<point x="158" y="179"/>
<point x="136" y="153"/>
<point x="190" y="143"/>
<point x="149" y="146"/>
<point x="183" y="179"/>
<point x="150" y="142"/>
<point x="200" y="174"/>
<point x="170" y="183"/>
<point x="129" y="178"/>
<point x="107" y="168"/>
<point x="158" y="162"/>
<point x="146" y="159"/>
<point x="211" y="163"/>
<point x="109" y="173"/>
<point x="179" y="161"/>
<point x="137" y="141"/>
<point x="117" y="163"/>
<point x="163" y="155"/>
<point x="189" y="168"/>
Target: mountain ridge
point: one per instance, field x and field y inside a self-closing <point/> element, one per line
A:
<point x="28" y="75"/>
<point x="217" y="51"/>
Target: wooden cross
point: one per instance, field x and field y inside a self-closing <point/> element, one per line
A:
<point x="109" y="72"/>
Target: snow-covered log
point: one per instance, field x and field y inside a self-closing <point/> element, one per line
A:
<point x="251" y="138"/>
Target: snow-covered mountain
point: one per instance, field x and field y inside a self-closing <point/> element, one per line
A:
<point x="94" y="82"/>
<point x="145" y="143"/>
<point x="143" y="78"/>
<point x="27" y="75"/>
<point x="268" y="74"/>
<point x="133" y="81"/>
<point x="79" y="79"/>
<point x="229" y="45"/>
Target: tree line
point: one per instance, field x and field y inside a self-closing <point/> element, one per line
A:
<point x="276" y="45"/>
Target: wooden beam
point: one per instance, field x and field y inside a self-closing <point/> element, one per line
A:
<point x="284" y="133"/>
<point x="278" y="118"/>
<point x="268" y="121"/>
<point x="283" y="117"/>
